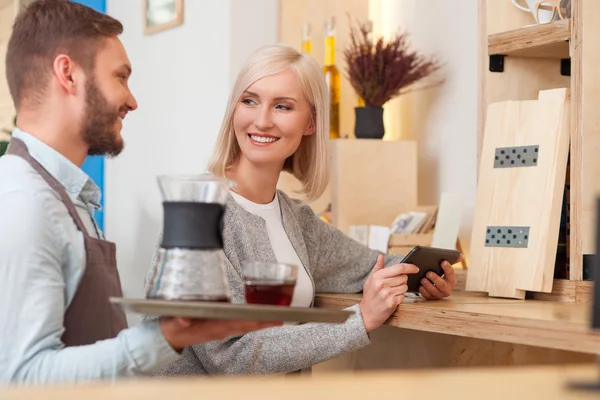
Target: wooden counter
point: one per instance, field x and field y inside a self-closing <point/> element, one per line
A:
<point x="548" y="383"/>
<point x="561" y="326"/>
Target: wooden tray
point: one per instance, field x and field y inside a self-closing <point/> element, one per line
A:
<point x="213" y="310"/>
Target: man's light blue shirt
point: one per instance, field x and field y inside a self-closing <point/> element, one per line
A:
<point x="42" y="258"/>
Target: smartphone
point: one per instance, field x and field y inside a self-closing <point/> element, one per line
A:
<point x="427" y="259"/>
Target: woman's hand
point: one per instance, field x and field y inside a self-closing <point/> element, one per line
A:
<point x="382" y="292"/>
<point x="435" y="287"/>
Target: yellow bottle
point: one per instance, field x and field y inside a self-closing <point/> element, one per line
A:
<point x="306" y="40"/>
<point x="332" y="76"/>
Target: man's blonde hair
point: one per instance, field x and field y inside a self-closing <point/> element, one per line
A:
<point x="310" y="163"/>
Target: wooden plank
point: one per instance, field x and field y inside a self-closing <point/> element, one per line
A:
<point x="530" y="196"/>
<point x="585" y="131"/>
<point x="576" y="227"/>
<point x="561" y="326"/>
<point x="544" y="41"/>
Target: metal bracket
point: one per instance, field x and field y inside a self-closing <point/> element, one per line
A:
<point x="497" y="63"/>
<point x="565" y="67"/>
<point x="519" y="156"/>
<point x="507" y="236"/>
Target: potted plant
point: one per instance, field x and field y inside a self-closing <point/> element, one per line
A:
<point x="3" y="142"/>
<point x="379" y="71"/>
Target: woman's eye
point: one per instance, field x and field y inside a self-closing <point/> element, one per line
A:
<point x="248" y="102"/>
<point x="282" y="107"/>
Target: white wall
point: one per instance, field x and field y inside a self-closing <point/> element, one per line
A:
<point x="443" y="120"/>
<point x="181" y="79"/>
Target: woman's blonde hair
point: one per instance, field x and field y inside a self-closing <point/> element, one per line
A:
<point x="310" y="163"/>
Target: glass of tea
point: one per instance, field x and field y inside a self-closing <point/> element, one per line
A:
<point x="269" y="283"/>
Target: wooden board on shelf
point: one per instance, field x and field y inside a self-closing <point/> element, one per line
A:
<point x="520" y="197"/>
<point x="542" y="41"/>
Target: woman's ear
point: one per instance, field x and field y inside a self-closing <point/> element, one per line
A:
<point x="311" y="128"/>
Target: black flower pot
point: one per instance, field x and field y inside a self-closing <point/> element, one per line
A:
<point x="369" y="123"/>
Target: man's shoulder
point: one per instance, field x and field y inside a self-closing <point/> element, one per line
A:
<point x="17" y="175"/>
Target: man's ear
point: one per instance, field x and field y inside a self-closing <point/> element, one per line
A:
<point x="64" y="71"/>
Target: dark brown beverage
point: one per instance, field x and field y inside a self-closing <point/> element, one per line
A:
<point x="269" y="292"/>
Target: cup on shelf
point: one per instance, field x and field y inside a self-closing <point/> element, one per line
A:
<point x="541" y="11"/>
<point x="269" y="283"/>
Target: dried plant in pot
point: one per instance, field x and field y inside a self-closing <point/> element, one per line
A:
<point x="379" y="71"/>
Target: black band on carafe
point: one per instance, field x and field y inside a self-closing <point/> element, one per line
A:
<point x="192" y="225"/>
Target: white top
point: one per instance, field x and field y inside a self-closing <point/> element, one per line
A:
<point x="282" y="247"/>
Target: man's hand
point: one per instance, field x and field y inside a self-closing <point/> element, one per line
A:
<point x="183" y="332"/>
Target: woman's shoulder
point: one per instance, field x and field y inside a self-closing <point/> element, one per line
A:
<point x="297" y="206"/>
<point x="301" y="212"/>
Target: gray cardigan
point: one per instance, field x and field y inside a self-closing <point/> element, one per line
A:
<point x="335" y="264"/>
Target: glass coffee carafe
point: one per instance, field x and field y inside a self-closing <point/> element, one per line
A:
<point x="190" y="262"/>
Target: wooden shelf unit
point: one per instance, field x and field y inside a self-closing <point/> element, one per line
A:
<point x="534" y="60"/>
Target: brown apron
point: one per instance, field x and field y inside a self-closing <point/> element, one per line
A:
<point x="90" y="317"/>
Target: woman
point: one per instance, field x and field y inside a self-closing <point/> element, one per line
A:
<point x="277" y="119"/>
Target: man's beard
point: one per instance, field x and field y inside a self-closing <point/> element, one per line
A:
<point x="99" y="123"/>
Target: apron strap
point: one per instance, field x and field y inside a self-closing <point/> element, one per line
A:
<point x="18" y="148"/>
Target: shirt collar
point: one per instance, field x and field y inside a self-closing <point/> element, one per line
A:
<point x="75" y="181"/>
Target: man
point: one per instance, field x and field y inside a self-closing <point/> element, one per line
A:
<point x="68" y="76"/>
